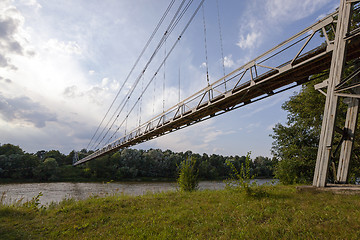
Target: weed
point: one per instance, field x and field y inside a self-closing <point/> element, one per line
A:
<point x="240" y="179"/>
<point x="34" y="203"/>
<point x="2" y="198"/>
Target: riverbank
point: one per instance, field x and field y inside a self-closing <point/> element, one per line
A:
<point x="211" y="214"/>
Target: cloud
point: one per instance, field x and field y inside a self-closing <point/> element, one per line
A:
<point x="280" y="10"/>
<point x="10" y="42"/>
<point x="104" y="82"/>
<point x="23" y="109"/>
<point x="7" y="80"/>
<point x="250" y="40"/>
<point x="31" y="3"/>
<point x="72" y="92"/>
<point x="212" y="135"/>
<point x="70" y="47"/>
<point x="262" y="15"/>
<point x="228" y="62"/>
<point x="95" y="94"/>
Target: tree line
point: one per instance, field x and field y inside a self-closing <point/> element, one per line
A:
<point x="52" y="165"/>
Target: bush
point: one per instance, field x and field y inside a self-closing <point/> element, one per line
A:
<point x="188" y="175"/>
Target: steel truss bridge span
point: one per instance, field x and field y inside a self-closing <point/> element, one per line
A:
<point x="256" y="80"/>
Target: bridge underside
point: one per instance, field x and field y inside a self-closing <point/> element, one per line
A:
<point x="212" y="102"/>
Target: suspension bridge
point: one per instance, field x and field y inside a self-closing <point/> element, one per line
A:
<point x="260" y="78"/>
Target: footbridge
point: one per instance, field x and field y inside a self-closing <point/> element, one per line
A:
<point x="302" y="59"/>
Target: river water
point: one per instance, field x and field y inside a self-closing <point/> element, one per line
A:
<point x="55" y="192"/>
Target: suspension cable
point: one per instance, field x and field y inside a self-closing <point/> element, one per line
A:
<point x="163" y="92"/>
<point x="126" y="118"/>
<point x="154" y="97"/>
<point x="206" y="53"/>
<point x="221" y="42"/>
<point x="179" y="85"/>
<point x="141" y="100"/>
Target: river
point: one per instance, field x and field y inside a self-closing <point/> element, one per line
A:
<point x="55" y="192"/>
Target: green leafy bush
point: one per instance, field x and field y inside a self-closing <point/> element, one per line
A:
<point x="188" y="175"/>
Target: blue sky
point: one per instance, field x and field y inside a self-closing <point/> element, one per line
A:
<point x="62" y="63"/>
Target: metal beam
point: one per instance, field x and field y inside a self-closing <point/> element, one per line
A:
<point x="350" y="127"/>
<point x="336" y="70"/>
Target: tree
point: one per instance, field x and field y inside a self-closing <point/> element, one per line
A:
<point x="58" y="156"/>
<point x="47" y="170"/>
<point x="8" y="149"/>
<point x="296" y="142"/>
<point x="264" y="166"/>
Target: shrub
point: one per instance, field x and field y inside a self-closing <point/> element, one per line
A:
<point x="188" y="175"/>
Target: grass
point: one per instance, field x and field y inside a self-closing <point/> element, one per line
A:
<point x="282" y="213"/>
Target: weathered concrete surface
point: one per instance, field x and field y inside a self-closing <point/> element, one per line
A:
<point x="334" y="188"/>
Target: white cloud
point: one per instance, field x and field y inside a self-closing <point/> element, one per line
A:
<point x="91" y="72"/>
<point x="262" y="18"/>
<point x="212" y="134"/>
<point x="32" y="3"/>
<point x="114" y="85"/>
<point x="228" y="62"/>
<point x="250" y="40"/>
<point x="104" y="82"/>
<point x="285" y="10"/>
<point x="70" y="47"/>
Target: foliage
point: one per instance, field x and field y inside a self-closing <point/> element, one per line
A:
<point x="125" y="164"/>
<point x="47" y="170"/>
<point x="8" y="149"/>
<point x="188" y="175"/>
<point x="296" y="142"/>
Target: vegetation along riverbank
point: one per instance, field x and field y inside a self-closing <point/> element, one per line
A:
<point x="280" y="212"/>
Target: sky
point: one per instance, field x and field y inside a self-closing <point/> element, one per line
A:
<point x="63" y="62"/>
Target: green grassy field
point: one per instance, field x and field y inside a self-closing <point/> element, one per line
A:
<point x="281" y="213"/>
